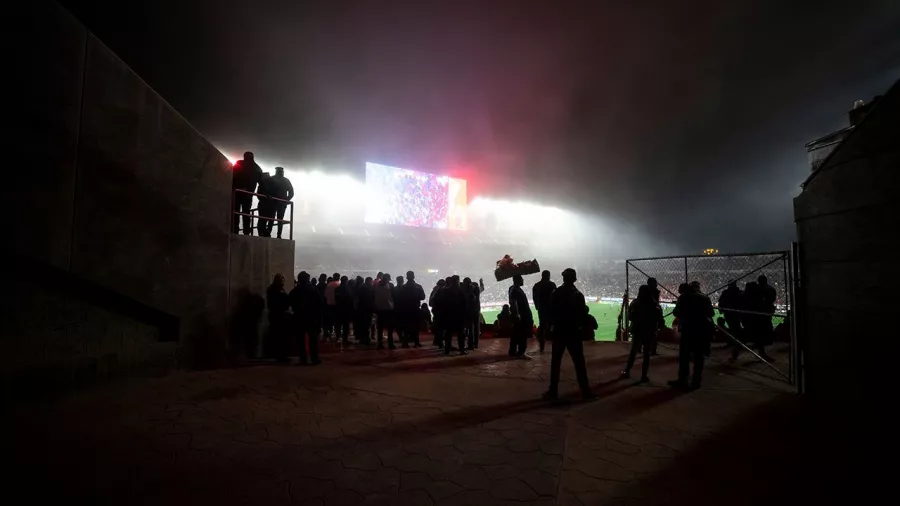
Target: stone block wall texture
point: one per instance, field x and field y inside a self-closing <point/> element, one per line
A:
<point x="115" y="193"/>
<point x="848" y="227"/>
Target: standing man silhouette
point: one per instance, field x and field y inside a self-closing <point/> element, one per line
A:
<point x="541" y="293"/>
<point x="279" y="187"/>
<point x="694" y="312"/>
<point x="566" y="315"/>
<point x="523" y="321"/>
<point x="246" y="174"/>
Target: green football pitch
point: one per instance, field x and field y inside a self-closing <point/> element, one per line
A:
<point x="606" y="313"/>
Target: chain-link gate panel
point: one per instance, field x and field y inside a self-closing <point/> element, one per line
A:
<point x="669" y="273"/>
<point x="714" y="273"/>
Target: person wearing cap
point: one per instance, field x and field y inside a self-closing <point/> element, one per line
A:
<point x="566" y="317"/>
<point x="694" y="312"/>
<point x="280" y="188"/>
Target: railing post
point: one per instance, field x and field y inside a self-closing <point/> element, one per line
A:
<point x="625" y="303"/>
<point x="292" y="221"/>
<point x="796" y="313"/>
<point x="785" y="290"/>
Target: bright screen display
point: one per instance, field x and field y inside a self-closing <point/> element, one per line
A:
<point x="411" y="198"/>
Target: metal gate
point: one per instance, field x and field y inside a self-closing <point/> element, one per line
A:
<point x="714" y="273"/>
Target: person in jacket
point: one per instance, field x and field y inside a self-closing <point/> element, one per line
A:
<point x="644" y="315"/>
<point x="523" y="321"/>
<point x="567" y="314"/>
<point x="306" y="304"/>
<point x="383" y="296"/>
<point x="694" y="312"/>
<point x="280" y="188"/>
<point x="277" y="303"/>
<point x="245" y="175"/>
<point x="540" y="294"/>
<point x="411" y="294"/>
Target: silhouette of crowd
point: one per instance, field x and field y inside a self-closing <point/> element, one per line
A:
<point x="747" y="320"/>
<point x="340" y="308"/>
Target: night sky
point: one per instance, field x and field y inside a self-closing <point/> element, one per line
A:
<point x="685" y="120"/>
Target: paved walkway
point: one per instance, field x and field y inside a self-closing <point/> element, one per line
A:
<point x="407" y="427"/>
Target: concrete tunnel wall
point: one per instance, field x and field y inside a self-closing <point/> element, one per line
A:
<point x="126" y="207"/>
<point x="848" y="227"/>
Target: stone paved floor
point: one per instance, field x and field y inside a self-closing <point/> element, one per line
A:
<point x="407" y="427"/>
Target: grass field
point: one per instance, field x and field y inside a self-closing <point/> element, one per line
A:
<point x="606" y="314"/>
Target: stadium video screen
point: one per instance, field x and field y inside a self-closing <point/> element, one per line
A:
<point x="411" y="198"/>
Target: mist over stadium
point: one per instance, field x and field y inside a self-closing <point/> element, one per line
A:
<point x="340" y="225"/>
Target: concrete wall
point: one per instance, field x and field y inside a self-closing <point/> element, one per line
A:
<point x="46" y="47"/>
<point x="848" y="228"/>
<point x="116" y="194"/>
<point x="254" y="263"/>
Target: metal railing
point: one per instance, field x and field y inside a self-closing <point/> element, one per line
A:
<point x="254" y="218"/>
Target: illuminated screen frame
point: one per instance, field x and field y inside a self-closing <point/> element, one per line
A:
<point x="393" y="196"/>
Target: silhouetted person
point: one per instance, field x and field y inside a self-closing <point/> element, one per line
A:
<point x="246" y="321"/>
<point x="541" y="293"/>
<point x="265" y="206"/>
<point x="357" y="328"/>
<point x="768" y="296"/>
<point x="437" y="328"/>
<point x="280" y="188"/>
<point x="245" y="176"/>
<point x="343" y="298"/>
<point x="278" y="304"/>
<point x="566" y="315"/>
<point x="306" y="304"/>
<point x="654" y="290"/>
<point x="644" y="315"/>
<point x="424" y="318"/>
<point x="469" y="316"/>
<point x="399" y="316"/>
<point x="365" y="310"/>
<point x="767" y="292"/>
<point x="653" y="286"/>
<point x="330" y="316"/>
<point x="683" y="288"/>
<point x="504" y="323"/>
<point x="454" y="307"/>
<point x="589" y="325"/>
<point x="694" y="312"/>
<point x="475" y="309"/>
<point x="410" y="295"/>
<point x="523" y="321"/>
<point x="730" y="302"/>
<point x="384" y="311"/>
<point x="757" y="322"/>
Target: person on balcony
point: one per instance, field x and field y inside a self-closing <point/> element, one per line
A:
<point x="266" y="206"/>
<point x="280" y="188"/>
<point x="245" y="176"/>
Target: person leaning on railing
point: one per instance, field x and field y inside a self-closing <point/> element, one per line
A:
<point x="245" y="176"/>
<point x="280" y="188"/>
